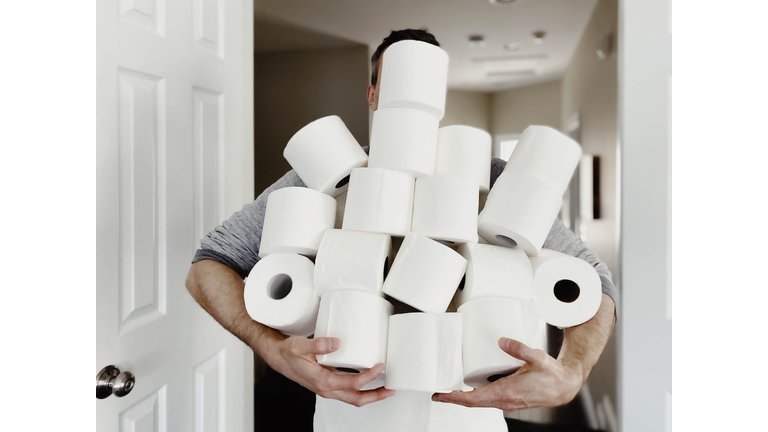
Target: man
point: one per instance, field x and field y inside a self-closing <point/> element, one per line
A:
<point x="228" y="253"/>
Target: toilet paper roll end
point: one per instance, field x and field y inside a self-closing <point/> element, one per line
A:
<point x="500" y="236"/>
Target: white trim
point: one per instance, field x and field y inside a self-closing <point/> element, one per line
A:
<point x="643" y="330"/>
<point x="612" y="423"/>
<point x="498" y="139"/>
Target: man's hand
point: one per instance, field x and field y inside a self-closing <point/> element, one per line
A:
<point x="295" y="358"/>
<point x="541" y="382"/>
<point x="219" y="290"/>
<point x="544" y="381"/>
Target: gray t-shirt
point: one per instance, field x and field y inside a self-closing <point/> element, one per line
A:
<point x="235" y="243"/>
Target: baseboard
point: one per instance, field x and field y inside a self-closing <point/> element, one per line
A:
<point x="600" y="415"/>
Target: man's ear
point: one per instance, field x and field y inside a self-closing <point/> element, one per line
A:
<point x="371" y="96"/>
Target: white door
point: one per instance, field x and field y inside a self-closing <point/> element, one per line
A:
<point x="174" y="158"/>
<point x="644" y="329"/>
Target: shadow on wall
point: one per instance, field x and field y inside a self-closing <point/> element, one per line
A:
<point x="300" y="76"/>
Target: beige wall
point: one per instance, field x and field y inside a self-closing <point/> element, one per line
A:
<point x="590" y="87"/>
<point x="513" y="110"/>
<point x="467" y="108"/>
<point x="293" y="88"/>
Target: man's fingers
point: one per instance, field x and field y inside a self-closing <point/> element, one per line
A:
<point x="476" y="398"/>
<point x="362" y="398"/>
<point x="318" y="346"/>
<point x="368" y="376"/>
<point x="354" y="382"/>
<point x="346" y="387"/>
<point x="520" y="350"/>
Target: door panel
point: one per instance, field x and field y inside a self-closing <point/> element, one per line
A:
<point x="209" y="156"/>
<point x="170" y="167"/>
<point x="141" y="100"/>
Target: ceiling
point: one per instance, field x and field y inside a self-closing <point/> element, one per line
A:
<point x="488" y="68"/>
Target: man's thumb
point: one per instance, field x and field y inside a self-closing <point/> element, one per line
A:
<point x="518" y="350"/>
<point x="325" y="345"/>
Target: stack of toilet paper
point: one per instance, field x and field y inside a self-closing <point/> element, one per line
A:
<point x="419" y="190"/>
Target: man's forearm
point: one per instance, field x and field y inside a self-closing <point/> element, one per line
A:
<point x="583" y="344"/>
<point x="219" y="290"/>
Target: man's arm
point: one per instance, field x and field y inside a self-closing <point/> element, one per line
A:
<point x="219" y="290"/>
<point x="584" y="343"/>
<point x="215" y="280"/>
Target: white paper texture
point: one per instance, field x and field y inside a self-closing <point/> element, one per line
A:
<point x="414" y="74"/>
<point x="445" y="208"/>
<point x="464" y="151"/>
<point x="323" y="153"/>
<point x="295" y="221"/>
<point x="557" y="273"/>
<point x="279" y="293"/>
<point x="519" y="208"/>
<point x="425" y="274"/>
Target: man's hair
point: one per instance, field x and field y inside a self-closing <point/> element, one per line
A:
<point x="397" y="36"/>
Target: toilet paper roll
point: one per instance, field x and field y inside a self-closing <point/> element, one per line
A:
<point x="494" y="272"/>
<point x="425" y="274"/>
<point x="445" y="209"/>
<point x="485" y="321"/>
<point x="323" y="153"/>
<point x="295" y="221"/>
<point x="414" y="74"/>
<point x="361" y="322"/>
<point x="352" y="260"/>
<point x="567" y="289"/>
<point x="538" y="327"/>
<point x="464" y="151"/>
<point x="279" y="294"/>
<point x="519" y="212"/>
<point x="424" y="352"/>
<point x="403" y="139"/>
<point x="380" y="201"/>
<point x="546" y="154"/>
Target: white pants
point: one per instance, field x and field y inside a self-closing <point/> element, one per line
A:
<point x="407" y="411"/>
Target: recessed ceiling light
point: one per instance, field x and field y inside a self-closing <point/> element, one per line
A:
<point x="538" y="56"/>
<point x="538" y="37"/>
<point x="503" y="1"/>
<point x="510" y="74"/>
<point x="513" y="46"/>
<point x="476" y="41"/>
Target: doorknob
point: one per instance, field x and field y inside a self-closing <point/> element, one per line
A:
<point x="110" y="381"/>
